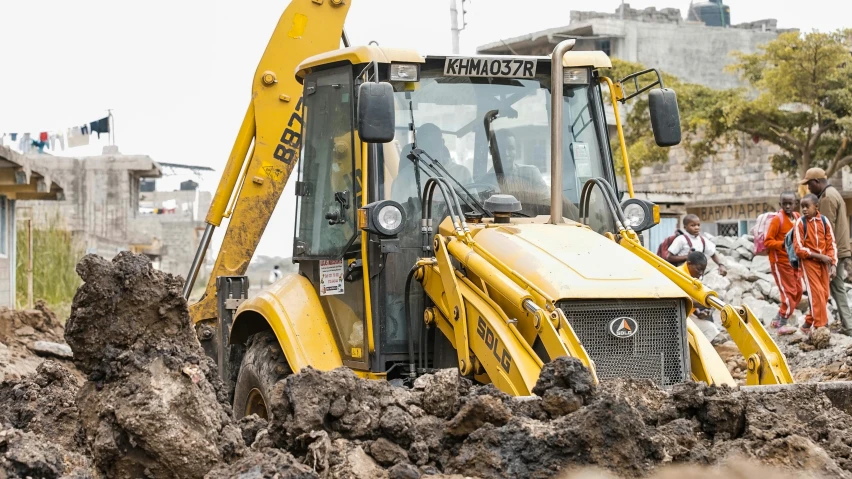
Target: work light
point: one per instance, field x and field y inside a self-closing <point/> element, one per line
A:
<point x="640" y="214"/>
<point x="407" y="72"/>
<point x="385" y="218"/>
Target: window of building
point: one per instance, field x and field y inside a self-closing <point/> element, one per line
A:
<point x="728" y="229"/>
<point x="3" y="226"/>
<point x="605" y="46"/>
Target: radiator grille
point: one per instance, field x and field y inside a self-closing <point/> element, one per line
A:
<point x="658" y="350"/>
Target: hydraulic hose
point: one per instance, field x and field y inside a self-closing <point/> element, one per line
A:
<point x="411" y="368"/>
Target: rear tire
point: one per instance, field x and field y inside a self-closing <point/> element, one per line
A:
<point x="262" y="367"/>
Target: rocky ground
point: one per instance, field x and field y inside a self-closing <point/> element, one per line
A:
<point x="142" y="400"/>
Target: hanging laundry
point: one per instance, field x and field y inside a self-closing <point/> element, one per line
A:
<point x="26" y="143"/>
<point x="42" y="137"/>
<point x="100" y="126"/>
<point x="14" y="136"/>
<point x="39" y="144"/>
<point x="76" y="137"/>
<point x="57" y="138"/>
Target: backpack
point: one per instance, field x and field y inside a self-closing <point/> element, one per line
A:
<point x="760" y="229"/>
<point x="663" y="249"/>
<point x="788" y="242"/>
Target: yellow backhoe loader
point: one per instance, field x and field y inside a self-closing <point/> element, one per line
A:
<point x="450" y="212"/>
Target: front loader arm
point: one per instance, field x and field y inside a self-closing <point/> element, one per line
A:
<point x="766" y="363"/>
<point x="471" y="311"/>
<point x="273" y="122"/>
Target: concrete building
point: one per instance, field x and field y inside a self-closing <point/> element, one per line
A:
<point x="101" y="198"/>
<point x="169" y="226"/>
<point x="690" y="50"/>
<point x="107" y="211"/>
<point x="20" y="179"/>
<point x="730" y="190"/>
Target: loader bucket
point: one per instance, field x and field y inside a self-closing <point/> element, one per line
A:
<point x="838" y="392"/>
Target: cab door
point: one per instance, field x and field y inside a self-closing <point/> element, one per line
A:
<point x="327" y="240"/>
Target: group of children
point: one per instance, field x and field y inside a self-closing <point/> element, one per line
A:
<point x="814" y="245"/>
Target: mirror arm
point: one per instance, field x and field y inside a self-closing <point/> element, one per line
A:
<point x="621" y="142"/>
<point x="635" y="78"/>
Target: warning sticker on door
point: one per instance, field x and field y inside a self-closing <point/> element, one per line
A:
<point x="331" y="277"/>
<point x="582" y="160"/>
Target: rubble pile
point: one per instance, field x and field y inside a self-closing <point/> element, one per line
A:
<point x="26" y="334"/>
<point x="151" y="405"/>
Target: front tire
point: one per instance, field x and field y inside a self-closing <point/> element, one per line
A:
<point x="262" y="367"/>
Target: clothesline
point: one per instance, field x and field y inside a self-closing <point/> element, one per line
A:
<point x="74" y="136"/>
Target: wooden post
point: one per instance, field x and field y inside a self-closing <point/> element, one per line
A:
<point x="29" y="263"/>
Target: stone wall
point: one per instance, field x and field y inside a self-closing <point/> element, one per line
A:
<point x="743" y="172"/>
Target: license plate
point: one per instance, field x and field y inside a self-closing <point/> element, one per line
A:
<point x="500" y="67"/>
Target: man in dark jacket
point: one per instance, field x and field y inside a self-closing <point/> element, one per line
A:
<point x="832" y="206"/>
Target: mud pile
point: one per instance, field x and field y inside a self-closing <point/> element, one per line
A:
<point x="152" y="406"/>
<point x="335" y="423"/>
<point x="40" y="429"/>
<point x="26" y="334"/>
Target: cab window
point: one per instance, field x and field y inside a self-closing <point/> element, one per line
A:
<point x="326" y="205"/>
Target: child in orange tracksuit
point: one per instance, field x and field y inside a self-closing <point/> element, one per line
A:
<point x="787" y="278"/>
<point x="817" y="259"/>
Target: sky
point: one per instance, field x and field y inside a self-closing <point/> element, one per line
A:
<point x="177" y="74"/>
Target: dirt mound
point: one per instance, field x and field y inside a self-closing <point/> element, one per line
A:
<point x="44" y="404"/>
<point x="24" y="335"/>
<point x="261" y="464"/>
<point x="153" y="405"/>
<point x="40" y="428"/>
<point x="29" y="322"/>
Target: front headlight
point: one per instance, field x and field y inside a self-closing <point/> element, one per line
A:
<point x="390" y="218"/>
<point x="385" y="218"/>
<point x="635" y="215"/>
<point x="640" y="214"/>
<point x="575" y="76"/>
<point x="407" y="72"/>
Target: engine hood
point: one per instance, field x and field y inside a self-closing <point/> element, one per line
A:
<point x="569" y="261"/>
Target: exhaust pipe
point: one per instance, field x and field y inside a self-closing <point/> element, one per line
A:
<point x="556" y="84"/>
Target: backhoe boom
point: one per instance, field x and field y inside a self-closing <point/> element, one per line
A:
<point x="267" y="146"/>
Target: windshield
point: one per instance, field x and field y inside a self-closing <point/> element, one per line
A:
<point x="493" y="134"/>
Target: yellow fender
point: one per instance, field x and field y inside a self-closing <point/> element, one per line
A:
<point x="292" y="310"/>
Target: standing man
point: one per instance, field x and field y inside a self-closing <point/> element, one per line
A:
<point x="832" y="206"/>
<point x="275" y="274"/>
<point x="787" y="278"/>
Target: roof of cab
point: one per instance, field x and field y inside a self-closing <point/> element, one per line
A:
<point x="369" y="53"/>
<point x="360" y="54"/>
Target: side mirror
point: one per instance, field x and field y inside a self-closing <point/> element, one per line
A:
<point x="375" y="112"/>
<point x="665" y="117"/>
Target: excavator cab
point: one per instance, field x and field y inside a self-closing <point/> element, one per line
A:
<point x="451" y="212"/>
<point x="486" y="134"/>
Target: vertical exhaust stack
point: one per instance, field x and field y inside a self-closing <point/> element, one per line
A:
<point x="556" y="85"/>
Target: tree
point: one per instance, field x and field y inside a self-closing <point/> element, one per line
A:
<point x="700" y="110"/>
<point x="799" y="97"/>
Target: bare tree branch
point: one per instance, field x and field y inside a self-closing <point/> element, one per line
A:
<point x="839" y="161"/>
<point x="817" y="134"/>
<point x="779" y="130"/>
